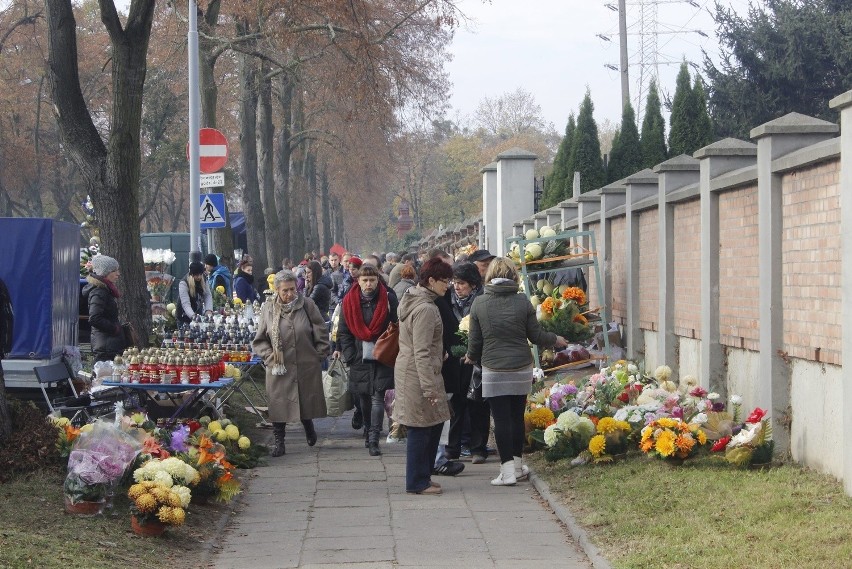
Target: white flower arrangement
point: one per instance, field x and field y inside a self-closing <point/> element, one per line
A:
<point x="157" y="256"/>
<point x="170" y="471"/>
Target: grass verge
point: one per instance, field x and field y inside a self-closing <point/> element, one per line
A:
<point x="645" y="514"/>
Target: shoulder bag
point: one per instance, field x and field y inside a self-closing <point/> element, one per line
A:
<point x="387" y="346"/>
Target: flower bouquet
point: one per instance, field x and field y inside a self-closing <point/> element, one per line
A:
<point x="544" y="254"/>
<point x="158" y="285"/>
<point x="568" y="436"/>
<point x="220" y="299"/>
<point x="216" y="474"/>
<point x="97" y="461"/>
<point x="561" y="312"/>
<point x="751" y="443"/>
<point x="157" y="259"/>
<point x="671" y="438"/>
<point x="67" y="434"/>
<point x="610" y="440"/>
<point x="460" y="349"/>
<point x="170" y="471"/>
<point x="239" y="450"/>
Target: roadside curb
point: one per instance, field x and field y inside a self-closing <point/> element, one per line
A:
<point x="574" y="528"/>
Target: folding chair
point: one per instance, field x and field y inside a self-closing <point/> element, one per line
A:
<point x="80" y="409"/>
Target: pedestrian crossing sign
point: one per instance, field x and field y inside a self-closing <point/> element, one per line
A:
<point x="212" y="213"/>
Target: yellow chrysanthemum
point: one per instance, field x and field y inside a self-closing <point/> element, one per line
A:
<point x="220" y="289"/>
<point x="646" y="434"/>
<point x="178" y="516"/>
<point x="165" y="514"/>
<point x="135" y="491"/>
<point x="244" y="443"/>
<point x="597" y="446"/>
<point x="146" y="503"/>
<point x="214" y="426"/>
<point x="173" y="500"/>
<point x="540" y="418"/>
<point x="665" y="444"/>
<point x="702" y="437"/>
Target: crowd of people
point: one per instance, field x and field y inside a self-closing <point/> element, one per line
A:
<point x="443" y="388"/>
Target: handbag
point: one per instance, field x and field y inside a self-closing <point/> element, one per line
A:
<point x="474" y="392"/>
<point x="335" y="387"/>
<point x="387" y="346"/>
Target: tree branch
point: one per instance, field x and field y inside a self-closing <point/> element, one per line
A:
<point x="25" y="20"/>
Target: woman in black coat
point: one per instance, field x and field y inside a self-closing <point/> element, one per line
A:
<point x="107" y="333"/>
<point x="318" y="287"/>
<point x="368" y="307"/>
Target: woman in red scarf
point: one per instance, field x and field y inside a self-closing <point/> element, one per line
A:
<point x="368" y="307"/>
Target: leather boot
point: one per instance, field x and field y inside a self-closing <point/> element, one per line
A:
<point x="310" y="432"/>
<point x="278" y="430"/>
<point x="373" y="441"/>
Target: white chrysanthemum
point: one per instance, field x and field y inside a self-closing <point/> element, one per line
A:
<point x="164" y="478"/>
<point x="551" y="435"/>
<point x="567" y="421"/>
<point x="623" y="413"/>
<point x="585" y="428"/>
<point x="688" y="383"/>
<point x="699" y="419"/>
<point x="174" y="466"/>
<point x="631" y="369"/>
<point x="712" y="396"/>
<point x="736" y="400"/>
<point x="184" y="493"/>
<point x="604" y="370"/>
<point x="190" y="474"/>
<point x="662" y="373"/>
<point x="464" y="324"/>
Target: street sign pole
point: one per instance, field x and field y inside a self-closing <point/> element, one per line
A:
<point x="194" y="124"/>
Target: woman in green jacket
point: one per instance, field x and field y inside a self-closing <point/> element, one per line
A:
<point x="501" y="323"/>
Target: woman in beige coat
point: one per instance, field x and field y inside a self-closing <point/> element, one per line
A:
<point x="421" y="400"/>
<point x="292" y="339"/>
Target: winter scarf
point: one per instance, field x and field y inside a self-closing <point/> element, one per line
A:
<point x="109" y="284"/>
<point x="355" y="318"/>
<point x="279" y="309"/>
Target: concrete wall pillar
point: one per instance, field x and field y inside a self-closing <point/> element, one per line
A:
<point x="515" y="193"/>
<point x="843" y="103"/>
<point x="775" y="139"/>
<point x="540" y="219"/>
<point x="674" y="174"/>
<point x="568" y="210"/>
<point x="640" y="186"/>
<point x="588" y="206"/>
<point x="554" y="218"/>
<point x="488" y="228"/>
<point x="612" y="196"/>
<point x="714" y="160"/>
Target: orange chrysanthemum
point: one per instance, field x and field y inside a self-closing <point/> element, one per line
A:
<point x="576" y="294"/>
<point x="547" y="306"/>
<point x="581" y="319"/>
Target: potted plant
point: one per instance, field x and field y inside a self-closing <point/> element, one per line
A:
<point x="83" y="498"/>
<point x="672" y="439"/>
<point x="154" y="505"/>
<point x="568" y="436"/>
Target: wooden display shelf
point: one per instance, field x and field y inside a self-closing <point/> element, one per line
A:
<point x="579" y="363"/>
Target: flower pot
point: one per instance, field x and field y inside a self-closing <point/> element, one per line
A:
<point x="84" y="507"/>
<point x="151" y="528"/>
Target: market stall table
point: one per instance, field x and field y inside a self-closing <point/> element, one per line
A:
<point x="192" y="393"/>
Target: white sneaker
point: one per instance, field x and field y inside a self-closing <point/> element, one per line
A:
<point x="507" y="475"/>
<point x="522" y="472"/>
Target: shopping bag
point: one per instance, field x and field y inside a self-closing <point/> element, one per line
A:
<point x="335" y="386"/>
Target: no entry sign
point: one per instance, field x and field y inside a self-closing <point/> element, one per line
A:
<point x="212" y="150"/>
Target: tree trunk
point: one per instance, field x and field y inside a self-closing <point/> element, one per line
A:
<point x="282" y="179"/>
<point x="312" y="232"/>
<point x="111" y="170"/>
<point x="266" y="174"/>
<point x="252" y="205"/>
<point x="5" y="416"/>
<point x="325" y="204"/>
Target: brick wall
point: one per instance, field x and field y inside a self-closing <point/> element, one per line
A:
<point x="619" y="269"/>
<point x="649" y="301"/>
<point x="811" y="249"/>
<point x="687" y="269"/>
<point x="739" y="286"/>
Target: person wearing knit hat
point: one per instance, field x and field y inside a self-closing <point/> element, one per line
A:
<point x="194" y="296"/>
<point x="103" y="265"/>
<point x="218" y="275"/>
<point x="102" y="294"/>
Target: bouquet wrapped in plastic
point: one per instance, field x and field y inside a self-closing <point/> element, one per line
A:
<point x="98" y="459"/>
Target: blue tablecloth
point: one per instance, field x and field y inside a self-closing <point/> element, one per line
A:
<point x="172" y="387"/>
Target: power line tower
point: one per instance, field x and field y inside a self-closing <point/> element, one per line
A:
<point x="641" y="19"/>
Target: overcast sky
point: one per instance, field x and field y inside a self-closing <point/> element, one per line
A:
<point x="551" y="48"/>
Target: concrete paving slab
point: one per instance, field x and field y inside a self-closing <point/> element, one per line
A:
<point x="332" y="505"/>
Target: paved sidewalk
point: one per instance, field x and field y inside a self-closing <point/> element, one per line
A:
<point x="335" y="506"/>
